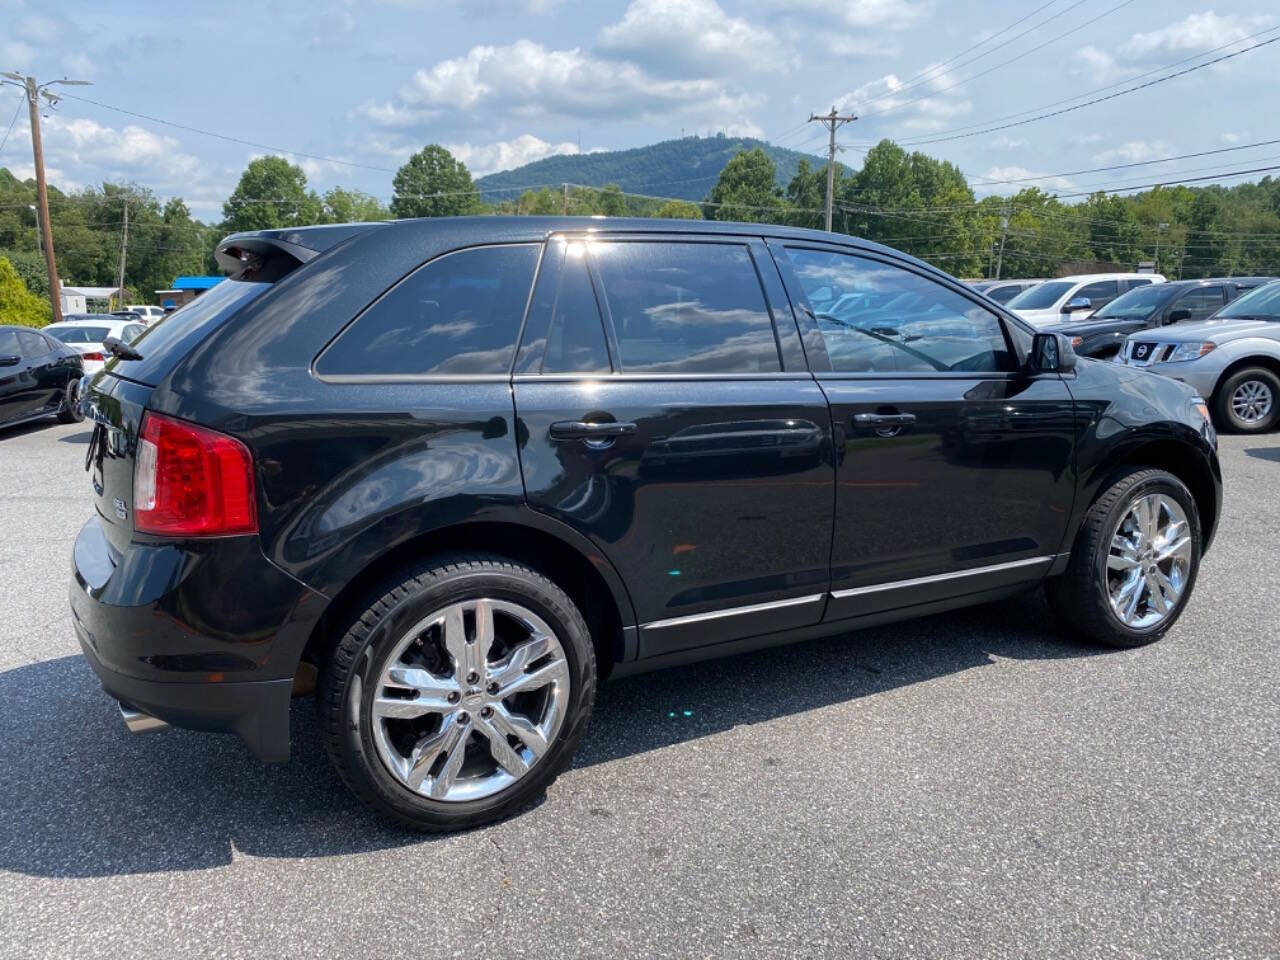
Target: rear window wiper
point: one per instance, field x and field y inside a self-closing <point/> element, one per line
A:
<point x="118" y="348"/>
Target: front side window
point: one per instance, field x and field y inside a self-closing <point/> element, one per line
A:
<point x="33" y="345"/>
<point x="680" y="307"/>
<point x="457" y="314"/>
<point x="879" y="318"/>
<point x="9" y="344"/>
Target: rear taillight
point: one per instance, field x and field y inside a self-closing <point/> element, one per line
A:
<point x="189" y="481"/>
<point x="92" y="356"/>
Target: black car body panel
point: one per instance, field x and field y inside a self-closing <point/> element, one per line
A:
<point x="733" y="510"/>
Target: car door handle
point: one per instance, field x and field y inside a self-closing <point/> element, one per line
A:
<point x="582" y="430"/>
<point x="884" y="419"/>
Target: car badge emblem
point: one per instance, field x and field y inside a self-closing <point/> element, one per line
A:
<point x="1142" y="350"/>
<point x="121" y="510"/>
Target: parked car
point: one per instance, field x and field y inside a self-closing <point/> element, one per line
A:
<point x="462" y="468"/>
<point x="1156" y="305"/>
<point x="1055" y="301"/>
<point x="149" y="314"/>
<point x="84" y="333"/>
<point x="1233" y="358"/>
<point x="39" y="377"/>
<point x="1002" y="291"/>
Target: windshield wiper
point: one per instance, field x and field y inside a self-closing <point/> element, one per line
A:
<point x="118" y="348"/>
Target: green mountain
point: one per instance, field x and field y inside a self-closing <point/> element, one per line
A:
<point x="686" y="168"/>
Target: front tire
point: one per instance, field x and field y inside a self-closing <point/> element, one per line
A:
<point x="1134" y="563"/>
<point x="1248" y="401"/>
<point x="459" y="695"/>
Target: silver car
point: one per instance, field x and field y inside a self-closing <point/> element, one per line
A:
<point x="1232" y="359"/>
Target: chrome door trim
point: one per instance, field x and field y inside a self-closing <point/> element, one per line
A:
<point x="940" y="577"/>
<point x="733" y="612"/>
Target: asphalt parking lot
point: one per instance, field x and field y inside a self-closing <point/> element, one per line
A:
<point x="970" y="785"/>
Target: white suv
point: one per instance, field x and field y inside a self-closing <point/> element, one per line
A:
<point x="148" y="314"/>
<point x="1067" y="298"/>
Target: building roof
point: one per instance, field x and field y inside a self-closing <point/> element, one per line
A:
<point x="196" y="283"/>
<point x="90" y="293"/>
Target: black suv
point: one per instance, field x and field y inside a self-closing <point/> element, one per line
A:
<point x="462" y="468"/>
<point x="1102" y="334"/>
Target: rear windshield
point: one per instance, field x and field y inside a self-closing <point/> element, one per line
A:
<point x="166" y="342"/>
<point x="1041" y="297"/>
<point x="78" y="334"/>
<point x="1262" y="303"/>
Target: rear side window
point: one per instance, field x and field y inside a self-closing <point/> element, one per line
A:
<point x="1099" y="293"/>
<point x="458" y="314"/>
<point x="1202" y="302"/>
<point x="33" y="345"/>
<point x="681" y="307"/>
<point x="564" y="332"/>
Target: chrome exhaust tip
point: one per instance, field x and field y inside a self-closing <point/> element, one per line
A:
<point x="139" y="722"/>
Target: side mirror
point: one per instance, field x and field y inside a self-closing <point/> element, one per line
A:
<point x="1051" y="353"/>
<point x="1178" y="315"/>
<point x="9" y="360"/>
<point x="1078" y="303"/>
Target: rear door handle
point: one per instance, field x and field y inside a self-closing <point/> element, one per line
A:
<point x="582" y="430"/>
<point x="884" y="419"/>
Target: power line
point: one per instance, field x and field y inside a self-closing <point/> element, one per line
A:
<point x="16" y="110"/>
<point x="1005" y="63"/>
<point x="1096" y="100"/>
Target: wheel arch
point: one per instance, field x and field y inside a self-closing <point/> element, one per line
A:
<point x="1185" y="463"/>
<point x="1250" y="360"/>
<point x="576" y="567"/>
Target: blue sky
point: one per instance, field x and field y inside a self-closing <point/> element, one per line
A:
<point x="503" y="82"/>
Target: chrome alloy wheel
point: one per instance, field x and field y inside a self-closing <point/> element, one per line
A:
<point x="1251" y="401"/>
<point x="1149" y="561"/>
<point x="470" y="700"/>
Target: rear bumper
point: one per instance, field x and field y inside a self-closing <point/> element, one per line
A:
<point x="258" y="711"/>
<point x="200" y="634"/>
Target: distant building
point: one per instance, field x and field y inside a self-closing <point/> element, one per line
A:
<point x="186" y="289"/>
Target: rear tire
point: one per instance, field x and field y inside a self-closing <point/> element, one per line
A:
<point x="1117" y="590"/>
<point x="70" y="411"/>
<point x="1248" y="401"/>
<point x="459" y="694"/>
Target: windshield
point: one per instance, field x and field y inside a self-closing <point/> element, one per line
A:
<point x="1136" y="304"/>
<point x="78" y="334"/>
<point x="1262" y="303"/>
<point x="1041" y="297"/>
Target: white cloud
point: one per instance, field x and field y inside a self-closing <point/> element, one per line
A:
<point x="999" y="181"/>
<point x="1230" y="139"/>
<point x="925" y="104"/>
<point x="1135" y="151"/>
<point x="1096" y="66"/>
<point x="693" y="38"/>
<point x="893" y="14"/>
<point x="482" y="158"/>
<point x="1004" y="142"/>
<point x="526" y="79"/>
<point x="1200" y="31"/>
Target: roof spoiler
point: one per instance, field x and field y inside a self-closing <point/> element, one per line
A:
<point x="267" y="255"/>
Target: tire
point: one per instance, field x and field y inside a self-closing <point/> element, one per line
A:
<point x="70" y="411"/>
<point x="1248" y="401"/>
<point x="378" y="756"/>
<point x="1082" y="595"/>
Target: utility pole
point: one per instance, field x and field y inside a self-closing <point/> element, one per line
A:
<point x="34" y="92"/>
<point x="1160" y="228"/>
<point x="124" y="252"/>
<point x="831" y="121"/>
<point x="1004" y="234"/>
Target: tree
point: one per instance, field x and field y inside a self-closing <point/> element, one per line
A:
<point x="272" y="193"/>
<point x="679" y="210"/>
<point x="432" y="183"/>
<point x="351" y="206"/>
<point x="747" y="189"/>
<point x="807" y="194"/>
<point x="17" y="304"/>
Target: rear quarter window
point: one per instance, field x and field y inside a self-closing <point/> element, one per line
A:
<point x="459" y="314"/>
